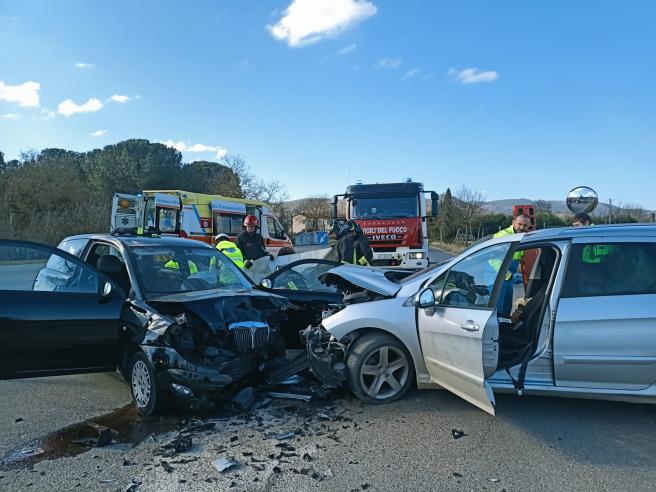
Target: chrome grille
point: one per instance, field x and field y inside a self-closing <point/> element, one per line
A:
<point x="250" y="335"/>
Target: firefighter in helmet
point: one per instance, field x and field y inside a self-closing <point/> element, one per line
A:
<point x="251" y="242"/>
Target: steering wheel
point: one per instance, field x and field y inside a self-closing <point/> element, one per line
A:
<point x="174" y="275"/>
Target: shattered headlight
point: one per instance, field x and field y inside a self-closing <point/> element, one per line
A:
<point x="417" y="256"/>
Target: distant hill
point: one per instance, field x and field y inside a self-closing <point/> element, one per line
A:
<point x="557" y="206"/>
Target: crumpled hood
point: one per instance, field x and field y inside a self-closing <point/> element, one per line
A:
<point x="372" y="279"/>
<point x="218" y="308"/>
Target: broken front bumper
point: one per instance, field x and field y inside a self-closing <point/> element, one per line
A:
<point x="326" y="355"/>
<point x="179" y="370"/>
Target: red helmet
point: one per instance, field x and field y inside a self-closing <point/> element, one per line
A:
<point x="250" y="220"/>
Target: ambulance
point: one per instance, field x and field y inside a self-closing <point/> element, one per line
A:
<point x="196" y="216"/>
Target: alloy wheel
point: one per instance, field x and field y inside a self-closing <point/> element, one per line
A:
<point x="141" y="384"/>
<point x="384" y="372"/>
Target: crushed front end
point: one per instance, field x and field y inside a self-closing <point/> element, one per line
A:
<point x="201" y="345"/>
<point x="327" y="356"/>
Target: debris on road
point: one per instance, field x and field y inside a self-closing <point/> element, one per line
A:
<point x="244" y="399"/>
<point x="95" y="435"/>
<point x="180" y="444"/>
<point x="225" y="464"/>
<point x="289" y="396"/>
<point x="457" y="434"/>
<point x="133" y="486"/>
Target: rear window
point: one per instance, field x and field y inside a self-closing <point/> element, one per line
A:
<point x="73" y="246"/>
<point x="611" y="269"/>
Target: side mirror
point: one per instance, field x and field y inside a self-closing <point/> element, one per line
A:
<point x="266" y="283"/>
<point x="434" y="203"/>
<point x="425" y="299"/>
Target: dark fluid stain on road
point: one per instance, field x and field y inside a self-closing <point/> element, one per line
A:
<point x="128" y="424"/>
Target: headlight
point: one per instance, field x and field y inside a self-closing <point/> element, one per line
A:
<point x="417" y="256"/>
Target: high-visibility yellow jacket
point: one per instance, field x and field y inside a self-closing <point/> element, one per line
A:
<point x="231" y="250"/>
<point x="174" y="264"/>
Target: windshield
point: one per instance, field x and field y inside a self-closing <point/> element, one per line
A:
<point x="384" y="208"/>
<point x="176" y="269"/>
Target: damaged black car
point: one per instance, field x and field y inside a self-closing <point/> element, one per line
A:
<point x="176" y="317"/>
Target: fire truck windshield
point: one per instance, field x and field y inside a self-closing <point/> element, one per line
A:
<point x="384" y="207"/>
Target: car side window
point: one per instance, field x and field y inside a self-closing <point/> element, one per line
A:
<point x="437" y="286"/>
<point x="611" y="269"/>
<point x="470" y="281"/>
<point x="303" y="277"/>
<point x="32" y="268"/>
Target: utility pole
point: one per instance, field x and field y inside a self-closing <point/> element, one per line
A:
<point x="610" y="210"/>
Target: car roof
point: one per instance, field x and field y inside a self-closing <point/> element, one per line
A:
<point x="606" y="230"/>
<point x="136" y="241"/>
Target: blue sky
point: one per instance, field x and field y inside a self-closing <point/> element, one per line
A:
<point x="511" y="98"/>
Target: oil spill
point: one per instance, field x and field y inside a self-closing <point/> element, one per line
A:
<point x="128" y="424"/>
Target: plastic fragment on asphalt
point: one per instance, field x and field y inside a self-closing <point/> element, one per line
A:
<point x="283" y="436"/>
<point x="289" y="396"/>
<point x="133" y="486"/>
<point x="108" y="480"/>
<point x="224" y="464"/>
<point x="457" y="434"/>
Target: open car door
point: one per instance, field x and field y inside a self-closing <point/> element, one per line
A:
<point x="458" y="325"/>
<point x="58" y="315"/>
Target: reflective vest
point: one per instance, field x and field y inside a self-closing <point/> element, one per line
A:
<point x="231" y="250"/>
<point x="508" y="231"/>
<point x="362" y="261"/>
<point x="174" y="264"/>
<point x="596" y="253"/>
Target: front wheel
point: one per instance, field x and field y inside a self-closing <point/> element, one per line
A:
<point x="380" y="369"/>
<point x="147" y="395"/>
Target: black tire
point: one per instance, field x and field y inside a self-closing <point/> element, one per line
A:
<point x="150" y="396"/>
<point x="286" y="251"/>
<point x="366" y="358"/>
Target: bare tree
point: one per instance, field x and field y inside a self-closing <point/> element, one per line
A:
<point x="314" y="209"/>
<point x="469" y="204"/>
<point x="254" y="188"/>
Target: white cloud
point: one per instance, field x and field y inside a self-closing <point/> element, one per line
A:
<point x="389" y="63"/>
<point x="119" y="99"/>
<point x="346" y="50"/>
<point x="48" y="114"/>
<point x="99" y="133"/>
<point x="26" y="94"/>
<point x="11" y="116"/>
<point x="411" y="73"/>
<point x="199" y="147"/>
<point x="309" y="21"/>
<point x="84" y="65"/>
<point x="246" y="64"/>
<point x="472" y="75"/>
<point x="428" y="76"/>
<point x="68" y="107"/>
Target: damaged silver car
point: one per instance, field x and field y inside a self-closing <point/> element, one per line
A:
<point x="564" y="312"/>
<point x="176" y="317"/>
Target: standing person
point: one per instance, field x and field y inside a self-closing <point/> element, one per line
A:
<point x="222" y="243"/>
<point x="362" y="252"/>
<point x="344" y="245"/>
<point x="251" y="242"/>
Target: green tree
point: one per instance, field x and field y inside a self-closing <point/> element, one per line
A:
<point x="211" y="178"/>
<point x="132" y="166"/>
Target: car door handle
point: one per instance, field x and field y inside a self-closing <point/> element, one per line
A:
<point x="469" y="326"/>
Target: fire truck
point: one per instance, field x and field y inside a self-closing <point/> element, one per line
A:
<point x="393" y="217"/>
<point x="196" y="216"/>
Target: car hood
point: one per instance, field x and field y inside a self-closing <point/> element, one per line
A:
<point x="208" y="294"/>
<point x="372" y="279"/>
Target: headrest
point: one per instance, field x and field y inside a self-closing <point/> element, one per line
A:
<point x="109" y="264"/>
